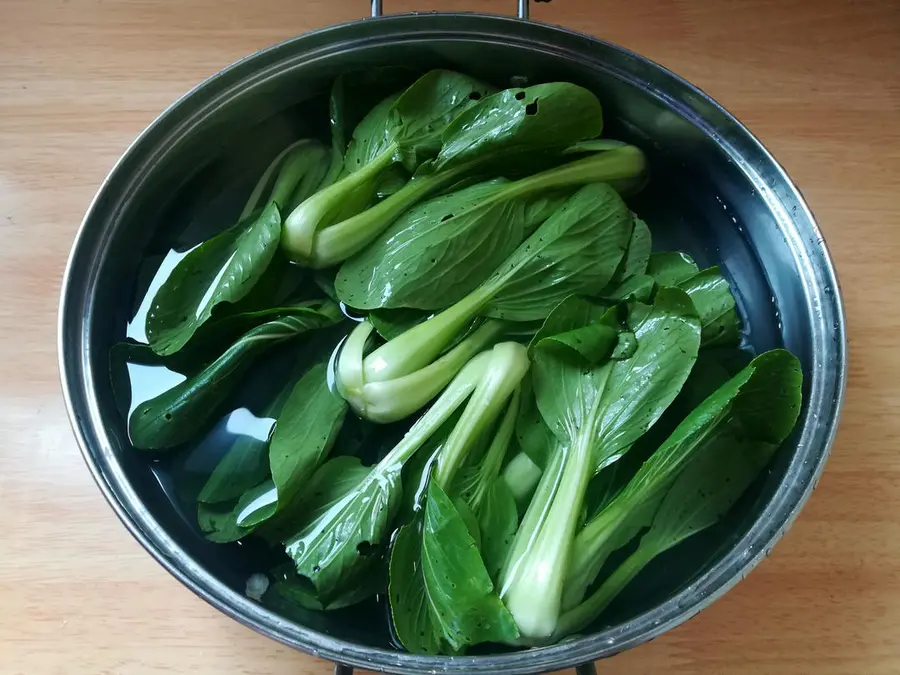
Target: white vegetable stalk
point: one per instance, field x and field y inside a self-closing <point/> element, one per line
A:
<point x="492" y="376"/>
<point x="532" y="586"/>
<point x="496" y="452"/>
<point x="532" y="583"/>
<point x="521" y="476"/>
<point x="339" y="220"/>
<point x="301" y="167"/>
<point x="347" y="196"/>
<point x="509" y="363"/>
<point x="394" y="399"/>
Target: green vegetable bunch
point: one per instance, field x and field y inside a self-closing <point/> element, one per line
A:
<point x="532" y="405"/>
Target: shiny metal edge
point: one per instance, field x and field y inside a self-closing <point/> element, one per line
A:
<point x="711" y="585"/>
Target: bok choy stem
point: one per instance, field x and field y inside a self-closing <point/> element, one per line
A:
<point x="577" y="618"/>
<point x="532" y="585"/>
<point x="397" y="398"/>
<point x="509" y="363"/>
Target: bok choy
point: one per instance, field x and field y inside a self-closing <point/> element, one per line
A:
<point x="507" y="407"/>
<point x="444" y="118"/>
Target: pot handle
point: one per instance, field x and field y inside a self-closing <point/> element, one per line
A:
<point x="583" y="669"/>
<point x="521" y="10"/>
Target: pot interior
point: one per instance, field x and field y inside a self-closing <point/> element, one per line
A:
<point x="191" y="175"/>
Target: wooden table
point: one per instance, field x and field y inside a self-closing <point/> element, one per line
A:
<point x="817" y="81"/>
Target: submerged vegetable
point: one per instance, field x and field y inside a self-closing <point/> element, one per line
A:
<point x="487" y="491"/>
<point x="575" y="250"/>
<point x="176" y="415"/>
<point x="596" y="408"/>
<point x="397" y="398"/>
<point x="334" y="547"/>
<point x="755" y="410"/>
<point x="691" y="480"/>
<point x="342" y="219"/>
<point x="225" y="268"/>
<point x="441" y="250"/>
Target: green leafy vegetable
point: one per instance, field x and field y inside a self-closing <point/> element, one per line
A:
<point x="332" y="225"/>
<point x="332" y="548"/>
<point x="670" y="269"/>
<point x="223" y="269"/>
<point x="577" y="249"/>
<point x="695" y="477"/>
<point x="441" y="250"/>
<point x="711" y="295"/>
<point x="389" y="323"/>
<point x="760" y="404"/>
<point x="487" y="495"/>
<point x="412" y="126"/>
<point x="638" y="254"/>
<point x="176" y="415"/>
<point x="297" y="590"/>
<point x="461" y="216"/>
<point x="709" y="291"/>
<point x="246" y="463"/>
<point x="336" y="222"/>
<point x="442" y="598"/>
<point x="305" y="432"/>
<point x="517" y="119"/>
<point x="397" y="398"/>
<point x="353" y="95"/>
<point x="596" y="410"/>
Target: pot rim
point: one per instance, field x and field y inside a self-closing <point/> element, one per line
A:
<point x="747" y="552"/>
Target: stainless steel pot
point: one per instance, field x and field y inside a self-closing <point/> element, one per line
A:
<point x="715" y="192"/>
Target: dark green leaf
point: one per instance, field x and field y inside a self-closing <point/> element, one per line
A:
<point x="436" y="253"/>
<point x="641" y="387"/>
<point x="417" y="471"/>
<point x="299" y="591"/>
<point x="711" y="295"/>
<point x="606" y="485"/>
<point x="577" y="250"/>
<point x="221" y="331"/>
<point x="415" y="119"/>
<point x="372" y="135"/>
<point x="243" y="466"/>
<point x="305" y="432"/>
<point x="704" y="469"/>
<point x="357" y="92"/>
<point x="589" y="344"/>
<point x="223" y="269"/>
<point x="178" y="414"/>
<point x="751" y="413"/>
<point x="620" y="400"/>
<point x="517" y="119"/>
<point x="221" y="522"/>
<point x="594" y="145"/>
<point x="331" y="481"/>
<point x="532" y="433"/>
<point x="470" y="520"/>
<point x="498" y="520"/>
<point x="389" y="323"/>
<point x="571" y="313"/>
<point x="670" y="269"/>
<point x="637" y="288"/>
<point x="638" y="254"/>
<point x="626" y="346"/>
<point x="567" y="387"/>
<point x="333" y="546"/>
<point x="442" y="598"/>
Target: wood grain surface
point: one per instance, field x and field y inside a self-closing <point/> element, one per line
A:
<point x="817" y="81"/>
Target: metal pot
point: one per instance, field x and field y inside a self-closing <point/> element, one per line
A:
<point x="715" y="192"/>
